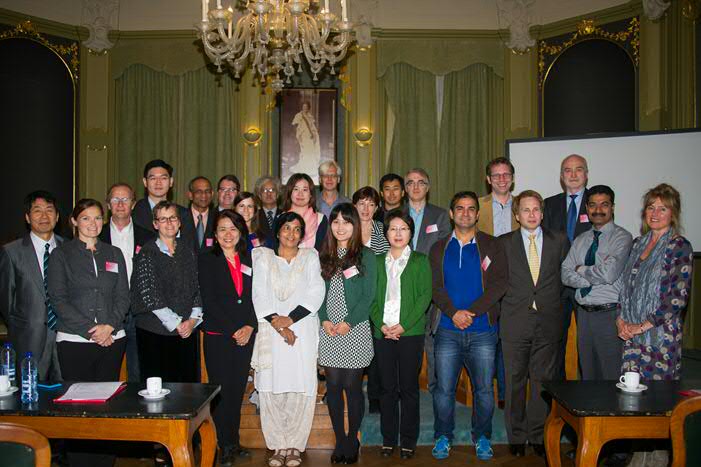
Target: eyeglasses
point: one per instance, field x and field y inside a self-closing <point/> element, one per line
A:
<point x="504" y="176"/>
<point x="268" y="190"/>
<point x="399" y="229"/>
<point x="171" y="220"/>
<point x="116" y="200"/>
<point x="420" y="183"/>
<point x="228" y="190"/>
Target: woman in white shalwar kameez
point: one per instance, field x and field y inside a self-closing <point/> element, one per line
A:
<point x="287" y="293"/>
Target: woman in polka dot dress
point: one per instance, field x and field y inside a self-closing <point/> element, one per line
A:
<point x="654" y="290"/>
<point x="345" y="340"/>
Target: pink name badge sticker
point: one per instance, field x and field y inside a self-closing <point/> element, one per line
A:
<point x="111" y="267"/>
<point x="486" y="263"/>
<point x="246" y="270"/>
<point x="431" y="228"/>
<point x="137" y="249"/>
<point x="583" y="218"/>
<point x="255" y="242"/>
<point x="350" y="272"/>
<point x="208" y="242"/>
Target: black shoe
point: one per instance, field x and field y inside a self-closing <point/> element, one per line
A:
<point x="338" y="459"/>
<point x="518" y="450"/>
<point x="374" y="406"/>
<point x="501" y="404"/>
<point x="407" y="453"/>
<point x="387" y="451"/>
<point x="240" y="452"/>
<point x="226" y="456"/>
<point x="539" y="449"/>
<point x="618" y="459"/>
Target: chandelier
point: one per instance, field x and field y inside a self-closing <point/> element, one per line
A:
<point x="274" y="36"/>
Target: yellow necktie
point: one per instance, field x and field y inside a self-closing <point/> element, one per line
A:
<point x="533" y="261"/>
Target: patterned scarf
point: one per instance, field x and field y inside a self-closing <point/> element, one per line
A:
<point x="640" y="294"/>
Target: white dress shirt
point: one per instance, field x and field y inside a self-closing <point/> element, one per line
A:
<point x="393" y="295"/>
<point x="124" y="240"/>
<point x="40" y="247"/>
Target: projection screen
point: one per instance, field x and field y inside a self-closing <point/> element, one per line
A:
<point x="630" y="164"/>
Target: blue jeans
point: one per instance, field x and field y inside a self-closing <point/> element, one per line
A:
<point x="475" y="351"/>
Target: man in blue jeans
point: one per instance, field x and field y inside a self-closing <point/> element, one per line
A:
<point x="469" y="279"/>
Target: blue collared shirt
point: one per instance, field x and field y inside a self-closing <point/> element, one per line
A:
<point x="417" y="217"/>
<point x="501" y="213"/>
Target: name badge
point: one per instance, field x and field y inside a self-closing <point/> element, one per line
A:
<point x="246" y="270"/>
<point x="583" y="218"/>
<point x="486" y="263"/>
<point x="137" y="249"/>
<point x="208" y="242"/>
<point x="111" y="267"/>
<point x="255" y="242"/>
<point x="350" y="272"/>
<point x="431" y="228"/>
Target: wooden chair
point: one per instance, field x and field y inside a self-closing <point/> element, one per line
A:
<point x="685" y="427"/>
<point x="21" y="446"/>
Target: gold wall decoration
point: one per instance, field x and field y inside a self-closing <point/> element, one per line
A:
<point x="627" y="35"/>
<point x="68" y="52"/>
<point x="691" y="9"/>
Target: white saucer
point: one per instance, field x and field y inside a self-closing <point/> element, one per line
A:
<point x="12" y="390"/>
<point x="624" y="388"/>
<point x="144" y="393"/>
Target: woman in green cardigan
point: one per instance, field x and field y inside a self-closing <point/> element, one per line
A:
<point x="345" y="341"/>
<point x="399" y="319"/>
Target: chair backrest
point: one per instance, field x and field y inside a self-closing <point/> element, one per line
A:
<point x="22" y="446"/>
<point x="685" y="428"/>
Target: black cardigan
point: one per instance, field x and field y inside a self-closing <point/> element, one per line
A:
<point x="226" y="311"/>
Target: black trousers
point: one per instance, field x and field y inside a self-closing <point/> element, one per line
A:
<point x="349" y="380"/>
<point x="227" y="365"/>
<point x="374" y="388"/>
<point x="90" y="363"/>
<point x="399" y="363"/>
<point x="172" y="358"/>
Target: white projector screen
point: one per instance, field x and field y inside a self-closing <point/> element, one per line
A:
<point x="630" y="164"/>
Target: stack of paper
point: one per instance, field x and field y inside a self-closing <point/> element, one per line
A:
<point x="91" y="393"/>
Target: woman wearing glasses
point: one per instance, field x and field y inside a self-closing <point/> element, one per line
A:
<point x="399" y="319"/>
<point x="166" y="301"/>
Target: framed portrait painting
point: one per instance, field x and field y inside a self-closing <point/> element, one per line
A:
<point x="308" y="133"/>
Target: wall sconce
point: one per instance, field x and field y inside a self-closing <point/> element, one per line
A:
<point x="363" y="137"/>
<point x="252" y="136"/>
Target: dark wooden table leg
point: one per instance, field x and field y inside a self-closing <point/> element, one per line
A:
<point x="553" y="433"/>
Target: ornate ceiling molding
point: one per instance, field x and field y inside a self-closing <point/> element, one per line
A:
<point x="100" y="17"/>
<point x="655" y="9"/>
<point x="516" y="15"/>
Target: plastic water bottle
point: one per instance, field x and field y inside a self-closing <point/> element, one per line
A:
<point x="29" y="379"/>
<point x="7" y="363"/>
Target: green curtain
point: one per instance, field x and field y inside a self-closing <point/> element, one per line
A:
<point x="190" y="120"/>
<point x="472" y="130"/>
<point x="412" y="95"/>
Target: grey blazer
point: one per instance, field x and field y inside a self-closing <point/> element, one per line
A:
<point x="432" y="215"/>
<point x="22" y="296"/>
<point x="516" y="305"/>
<point x="80" y="298"/>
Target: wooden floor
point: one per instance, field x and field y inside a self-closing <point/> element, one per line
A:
<point x="370" y="456"/>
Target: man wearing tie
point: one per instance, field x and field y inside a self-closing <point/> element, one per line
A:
<point x="129" y="238"/>
<point x="566" y="212"/>
<point x="593" y="265"/>
<point x="199" y="191"/>
<point x="531" y="320"/>
<point x="267" y="190"/>
<point x="24" y="303"/>
<point x="432" y="224"/>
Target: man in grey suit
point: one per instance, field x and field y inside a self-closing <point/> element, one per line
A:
<point x="23" y="300"/>
<point x="531" y="320"/>
<point x="432" y="224"/>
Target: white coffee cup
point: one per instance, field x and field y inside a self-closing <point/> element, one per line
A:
<point x="154" y="385"/>
<point x="4" y="383"/>
<point x="631" y="379"/>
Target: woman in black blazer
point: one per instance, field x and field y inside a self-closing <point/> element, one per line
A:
<point x="225" y="287"/>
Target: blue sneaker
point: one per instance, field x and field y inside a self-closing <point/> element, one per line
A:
<point x="483" y="448"/>
<point x="441" y="450"/>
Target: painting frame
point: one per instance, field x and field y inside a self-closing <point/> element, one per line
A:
<point x="308" y="130"/>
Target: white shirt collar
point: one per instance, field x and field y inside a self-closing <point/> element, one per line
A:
<point x="39" y="243"/>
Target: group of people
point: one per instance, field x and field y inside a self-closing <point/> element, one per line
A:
<point x="295" y="281"/>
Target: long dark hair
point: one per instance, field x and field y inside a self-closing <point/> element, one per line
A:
<point x="240" y="224"/>
<point x="255" y="220"/>
<point x="330" y="262"/>
<point x="289" y="186"/>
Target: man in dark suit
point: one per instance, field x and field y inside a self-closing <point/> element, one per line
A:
<point x="158" y="180"/>
<point x="567" y="212"/>
<point x="531" y="320"/>
<point x="24" y="305"/>
<point x="123" y="233"/>
<point x="267" y="191"/>
<point x="228" y="188"/>
<point x="201" y="216"/>
<point x="432" y="224"/>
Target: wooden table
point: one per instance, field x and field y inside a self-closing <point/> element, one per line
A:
<point x="127" y="417"/>
<point x="600" y="412"/>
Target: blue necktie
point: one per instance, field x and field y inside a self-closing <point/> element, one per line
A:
<point x="590" y="259"/>
<point x="50" y="314"/>
<point x="571" y="218"/>
<point x="200" y="229"/>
